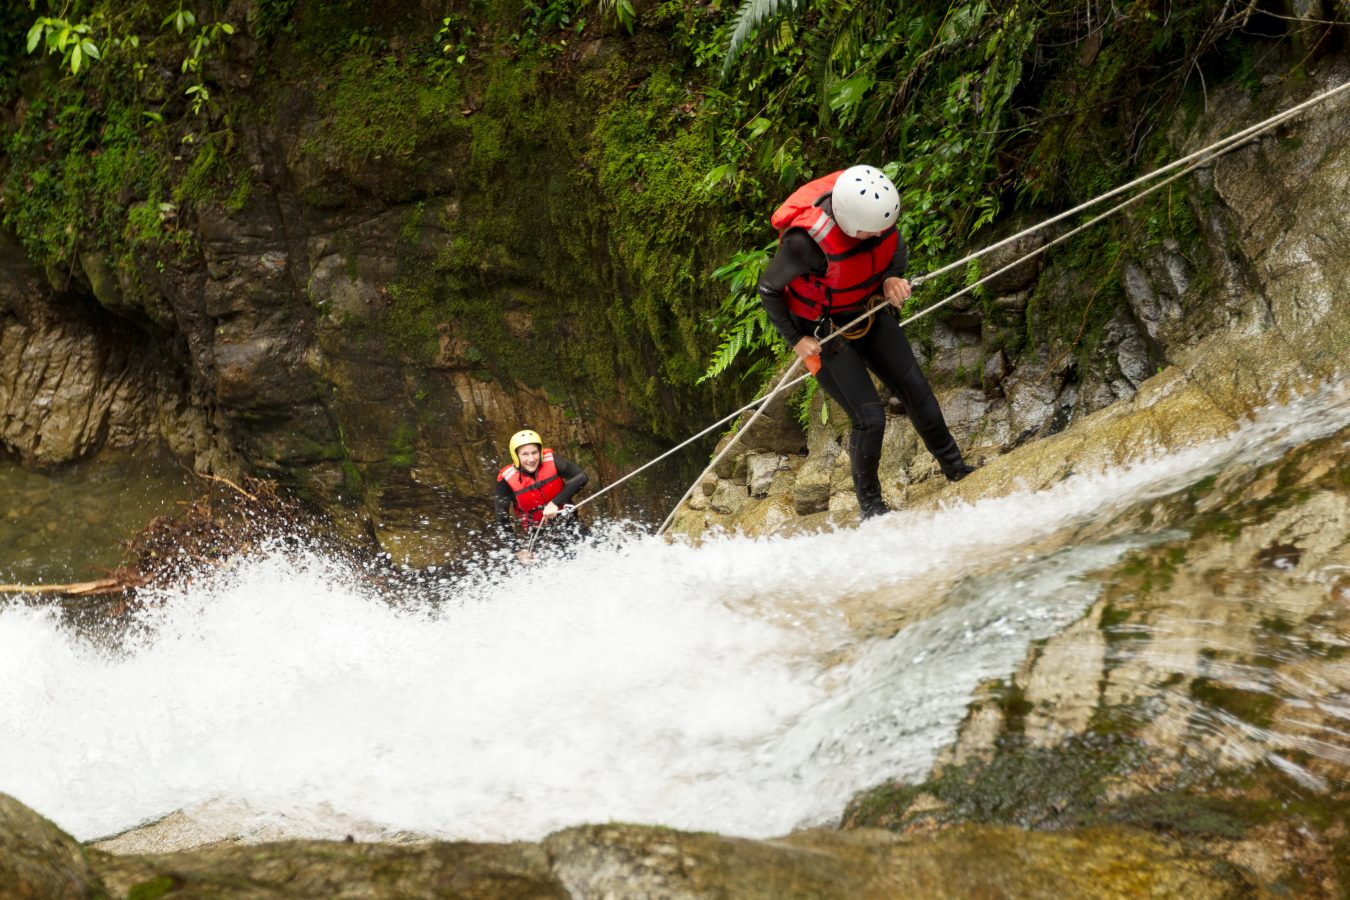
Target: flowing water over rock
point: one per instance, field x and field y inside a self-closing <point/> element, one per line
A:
<point x="745" y="686"/>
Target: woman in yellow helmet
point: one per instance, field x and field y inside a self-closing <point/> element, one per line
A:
<point x="533" y="490"/>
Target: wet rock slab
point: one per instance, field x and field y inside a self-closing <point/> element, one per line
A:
<point x="38" y="860"/>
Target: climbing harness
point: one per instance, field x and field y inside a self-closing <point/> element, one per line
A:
<point x="1178" y="169"/>
<point x="848" y="334"/>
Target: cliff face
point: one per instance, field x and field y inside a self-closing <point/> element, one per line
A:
<point x="363" y="265"/>
<point x="392" y="237"/>
<point x="1246" y="306"/>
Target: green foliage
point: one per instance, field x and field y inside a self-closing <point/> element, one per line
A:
<point x="801" y="400"/>
<point x="547" y="27"/>
<point x="70" y="40"/>
<point x="113" y="26"/>
<point x="752" y="15"/>
<point x="971" y="107"/>
<point x="454" y="37"/>
<point x="744" y="327"/>
<point x="271" y="19"/>
<point x="622" y="11"/>
<point x="199" y="93"/>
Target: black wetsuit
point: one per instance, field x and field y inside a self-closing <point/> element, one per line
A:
<point x="844" y="368"/>
<point x="562" y="528"/>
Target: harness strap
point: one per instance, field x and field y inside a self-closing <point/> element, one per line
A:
<point x="858" y="331"/>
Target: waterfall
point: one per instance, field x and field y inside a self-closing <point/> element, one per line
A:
<point x="748" y="686"/>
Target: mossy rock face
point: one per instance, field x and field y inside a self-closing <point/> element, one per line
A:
<point x="379" y="219"/>
<point x="322" y="869"/>
<point x="628" y="860"/>
<point x="39" y="860"/>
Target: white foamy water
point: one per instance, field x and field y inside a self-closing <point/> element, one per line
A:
<point x="700" y="688"/>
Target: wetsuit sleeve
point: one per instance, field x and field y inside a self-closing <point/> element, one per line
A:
<point x="505" y="503"/>
<point x="574" y="479"/>
<point x="796" y="255"/>
<point x="899" y="261"/>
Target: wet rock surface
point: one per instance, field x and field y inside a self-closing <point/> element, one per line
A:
<point x="39" y="860"/>
<point x="627" y="861"/>
<point x="1202" y="694"/>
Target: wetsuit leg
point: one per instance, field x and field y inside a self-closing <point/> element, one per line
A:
<point x="889" y="354"/>
<point x="844" y="377"/>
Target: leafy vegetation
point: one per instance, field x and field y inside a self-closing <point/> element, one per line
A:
<point x="611" y="165"/>
<point x="975" y="109"/>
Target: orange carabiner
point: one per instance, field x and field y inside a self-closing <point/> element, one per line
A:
<point x="812" y="363"/>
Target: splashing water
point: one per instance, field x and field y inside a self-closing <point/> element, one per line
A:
<point x="726" y="687"/>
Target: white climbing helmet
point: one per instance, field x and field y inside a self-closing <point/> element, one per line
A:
<point x="865" y="200"/>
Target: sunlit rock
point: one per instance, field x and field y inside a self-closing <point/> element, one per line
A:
<point x="760" y="471"/>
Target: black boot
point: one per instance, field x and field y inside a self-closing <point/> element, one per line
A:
<point x="868" y="490"/>
<point x="958" y="470"/>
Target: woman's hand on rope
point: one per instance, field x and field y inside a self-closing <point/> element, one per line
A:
<point x="525" y="556"/>
<point x="808" y="351"/>
<point x="896" y="290"/>
<point x="550" y="511"/>
<point x="807" y="346"/>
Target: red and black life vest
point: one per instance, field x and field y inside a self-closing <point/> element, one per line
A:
<point x="854" y="267"/>
<point x="533" y="492"/>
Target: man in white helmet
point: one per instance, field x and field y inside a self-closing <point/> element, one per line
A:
<point x="838" y="250"/>
<point x="534" y="491"/>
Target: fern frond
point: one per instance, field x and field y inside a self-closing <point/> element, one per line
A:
<point x="749" y="17"/>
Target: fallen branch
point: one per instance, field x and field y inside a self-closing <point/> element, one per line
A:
<point x="75" y="589"/>
<point x="226" y="481"/>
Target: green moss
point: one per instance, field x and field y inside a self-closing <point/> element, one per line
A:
<point x="1013" y="701"/>
<point x="881" y="807"/>
<point x="154" y="888"/>
<point x="1113" y="617"/>
<point x="1255" y="707"/>
<point x="402" y="449"/>
<point x="1031" y="787"/>
<point x="386" y="108"/>
<point x="1277" y="624"/>
<point x="1183" y="812"/>
<point x="71" y="166"/>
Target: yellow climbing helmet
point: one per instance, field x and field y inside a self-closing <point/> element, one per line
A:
<point x="520" y="439"/>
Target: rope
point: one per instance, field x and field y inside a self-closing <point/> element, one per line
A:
<point x="1186" y="165"/>
<point x="534" y="535"/>
<point x="941" y="303"/>
<point x="1227" y="143"/>
<point x="731" y="443"/>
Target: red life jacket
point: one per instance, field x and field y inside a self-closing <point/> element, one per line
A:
<point x="854" y="267"/>
<point x="533" y="492"/>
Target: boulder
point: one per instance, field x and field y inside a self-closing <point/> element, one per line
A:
<point x="1019" y="277"/>
<point x="760" y="470"/>
<point x="970" y="861"/>
<point x="728" y="497"/>
<point x="39" y="860"/>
